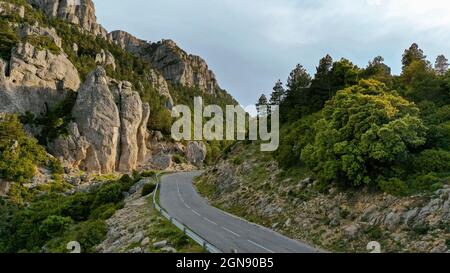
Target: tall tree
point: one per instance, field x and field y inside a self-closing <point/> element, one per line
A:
<point x="299" y="78"/>
<point x="441" y="65"/>
<point x="262" y="102"/>
<point x="378" y="70"/>
<point x="414" y="53"/>
<point x="278" y="93"/>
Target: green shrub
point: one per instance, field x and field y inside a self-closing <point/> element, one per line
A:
<point x="20" y="154"/>
<point x="148" y="174"/>
<point x="103" y="212"/>
<point x="111" y="193"/>
<point x="55" y="225"/>
<point x="393" y="186"/>
<point x="148" y="189"/>
<point x="43" y="43"/>
<point x="8" y="39"/>
<point x="426" y="182"/>
<point x="432" y="161"/>
<point x="178" y="159"/>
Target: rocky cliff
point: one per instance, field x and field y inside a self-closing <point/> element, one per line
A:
<point x="79" y="12"/>
<point x="109" y="129"/>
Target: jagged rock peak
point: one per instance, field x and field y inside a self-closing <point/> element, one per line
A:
<point x="128" y="42"/>
<point x="79" y="12"/>
<point x="179" y="67"/>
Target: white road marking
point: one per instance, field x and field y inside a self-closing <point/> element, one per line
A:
<point x="196" y="213"/>
<point x="214" y="223"/>
<point x="260" y="246"/>
<point x="232" y="232"/>
<point x="187" y="206"/>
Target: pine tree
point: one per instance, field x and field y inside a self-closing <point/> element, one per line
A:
<point x="414" y="53"/>
<point x="441" y="65"/>
<point x="278" y="94"/>
<point x="262" y="102"/>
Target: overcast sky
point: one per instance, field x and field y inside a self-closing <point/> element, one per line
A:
<point x="249" y="44"/>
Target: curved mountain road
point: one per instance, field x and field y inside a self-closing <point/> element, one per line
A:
<point x="228" y="233"/>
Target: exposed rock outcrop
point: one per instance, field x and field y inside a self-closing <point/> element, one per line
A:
<point x="79" y="12"/>
<point x="31" y="67"/>
<point x="196" y="152"/>
<point x="9" y="8"/>
<point x="105" y="58"/>
<point x="131" y="117"/>
<point x="34" y="80"/>
<point x="178" y="67"/>
<point x="128" y="42"/>
<point x="97" y="116"/>
<point x="27" y="30"/>
<point x="110" y="127"/>
<point x="175" y="65"/>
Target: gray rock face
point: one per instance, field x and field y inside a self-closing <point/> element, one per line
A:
<point x="196" y="152"/>
<point x="98" y="120"/>
<point x="128" y="42"/>
<point x="79" y="12"/>
<point x="71" y="149"/>
<point x="178" y="67"/>
<point x="130" y="125"/>
<point x="142" y="134"/>
<point x="109" y="132"/>
<point x="30" y="30"/>
<point x="105" y="58"/>
<point x="31" y="67"/>
<point x="162" y="161"/>
<point x="34" y="80"/>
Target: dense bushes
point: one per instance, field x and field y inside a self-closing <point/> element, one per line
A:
<point x="20" y="154"/>
<point x="53" y="220"/>
<point x="365" y="131"/>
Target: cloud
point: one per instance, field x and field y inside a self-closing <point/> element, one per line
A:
<point x="252" y="43"/>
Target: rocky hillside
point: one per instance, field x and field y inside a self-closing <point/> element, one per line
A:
<point x="250" y="184"/>
<point x="99" y="102"/>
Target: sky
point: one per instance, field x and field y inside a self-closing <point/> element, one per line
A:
<point x="250" y="44"/>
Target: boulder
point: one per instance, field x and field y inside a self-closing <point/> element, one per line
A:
<point x="196" y="152"/>
<point x="160" y="244"/>
<point x="162" y="161"/>
<point x="351" y="230"/>
<point x="392" y="221"/>
<point x="72" y="148"/>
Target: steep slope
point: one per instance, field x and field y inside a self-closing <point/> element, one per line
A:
<point x="250" y="184"/>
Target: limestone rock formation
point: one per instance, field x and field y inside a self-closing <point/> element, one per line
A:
<point x="71" y="149"/>
<point x="27" y="30"/>
<point x="109" y="130"/>
<point x="34" y="80"/>
<point x="159" y="83"/>
<point x="97" y="116"/>
<point x="196" y="152"/>
<point x="128" y="42"/>
<point x="175" y="65"/>
<point x="8" y="8"/>
<point x="79" y="12"/>
<point x="31" y="67"/>
<point x="131" y="117"/>
<point x="105" y="58"/>
<point x="178" y="67"/>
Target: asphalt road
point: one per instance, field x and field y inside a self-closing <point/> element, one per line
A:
<point x="226" y="232"/>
